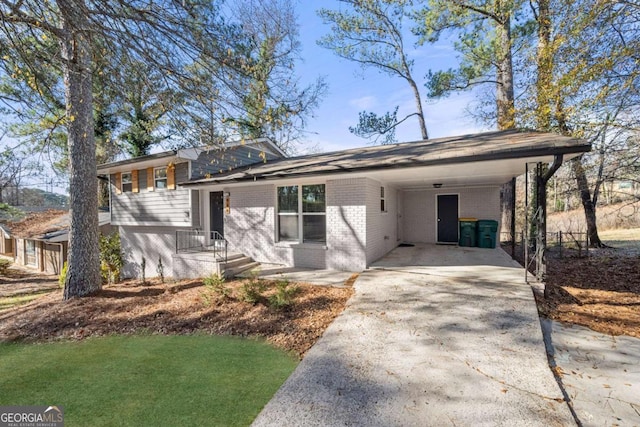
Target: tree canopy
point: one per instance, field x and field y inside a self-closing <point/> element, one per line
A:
<point x="76" y="72"/>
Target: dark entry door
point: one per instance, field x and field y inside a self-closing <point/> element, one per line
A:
<point x="447" y="218"/>
<point x="216" y="212"/>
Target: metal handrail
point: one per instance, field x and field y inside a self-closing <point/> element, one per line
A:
<point x="219" y="242"/>
<point x="196" y="241"/>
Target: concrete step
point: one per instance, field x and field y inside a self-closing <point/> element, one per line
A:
<point x="232" y="272"/>
<point x="236" y="262"/>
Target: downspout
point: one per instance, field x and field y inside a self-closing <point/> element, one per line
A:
<point x="61" y="266"/>
<point x="41" y="265"/>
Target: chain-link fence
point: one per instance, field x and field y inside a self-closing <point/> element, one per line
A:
<point x="560" y="243"/>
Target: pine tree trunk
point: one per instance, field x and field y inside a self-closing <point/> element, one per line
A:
<point x="416" y="94"/>
<point x="587" y="203"/>
<point x="504" y="89"/>
<point x="83" y="273"/>
<point x="506" y="117"/>
<point x="544" y="64"/>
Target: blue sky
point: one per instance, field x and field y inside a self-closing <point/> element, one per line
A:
<point x="352" y="89"/>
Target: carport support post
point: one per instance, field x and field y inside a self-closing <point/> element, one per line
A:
<point x="542" y="178"/>
<point x="513" y="219"/>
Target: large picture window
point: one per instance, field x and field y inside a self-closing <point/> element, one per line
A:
<point x="302" y="213"/>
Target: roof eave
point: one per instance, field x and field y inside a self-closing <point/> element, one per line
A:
<point x="503" y="155"/>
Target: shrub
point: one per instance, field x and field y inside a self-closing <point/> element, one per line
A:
<point x="251" y="290"/>
<point x="160" y="270"/>
<point x="143" y="268"/>
<point x="284" y="295"/>
<point x="215" y="283"/>
<point x="111" y="259"/>
<point x="63" y="275"/>
<point x="4" y="265"/>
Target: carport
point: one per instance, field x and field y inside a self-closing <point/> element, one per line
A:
<point x="434" y="335"/>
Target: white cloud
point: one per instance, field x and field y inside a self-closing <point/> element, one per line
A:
<point x="364" y="102"/>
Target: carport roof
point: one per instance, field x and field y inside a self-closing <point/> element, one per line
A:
<point x="473" y="148"/>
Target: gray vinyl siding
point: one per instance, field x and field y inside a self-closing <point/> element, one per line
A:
<point x="219" y="161"/>
<point x="159" y="207"/>
<point x="195" y="209"/>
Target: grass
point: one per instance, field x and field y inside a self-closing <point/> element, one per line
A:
<point x="192" y="380"/>
<point x="16" y="300"/>
<point x="629" y="238"/>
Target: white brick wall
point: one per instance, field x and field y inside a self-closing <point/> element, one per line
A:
<point x="346" y="224"/>
<point x="419" y="216"/>
<point x="250" y="227"/>
<point x="194" y="265"/>
<point x="382" y="227"/>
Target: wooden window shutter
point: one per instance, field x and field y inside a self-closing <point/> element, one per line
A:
<point x="134" y="182"/>
<point x="150" y="182"/>
<point x="118" y="183"/>
<point x="171" y="177"/>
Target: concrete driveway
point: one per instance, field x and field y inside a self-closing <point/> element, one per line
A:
<point x="434" y="335"/>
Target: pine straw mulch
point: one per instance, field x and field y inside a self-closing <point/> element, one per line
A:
<point x="184" y="307"/>
<point x="20" y="280"/>
<point x="601" y="291"/>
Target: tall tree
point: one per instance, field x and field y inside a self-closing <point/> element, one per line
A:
<point x="146" y="99"/>
<point x="174" y="32"/>
<point x="587" y="79"/>
<point x="576" y="65"/>
<point x="371" y="34"/>
<point x="484" y="30"/>
<point x="274" y="104"/>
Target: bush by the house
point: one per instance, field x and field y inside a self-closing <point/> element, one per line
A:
<point x="63" y="275"/>
<point x="251" y="290"/>
<point x="284" y="295"/>
<point x="4" y="265"/>
<point x="111" y="259"/>
<point x="160" y="270"/>
<point x="215" y="283"/>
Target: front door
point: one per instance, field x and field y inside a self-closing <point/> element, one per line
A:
<point x="447" y="218"/>
<point x="216" y="212"/>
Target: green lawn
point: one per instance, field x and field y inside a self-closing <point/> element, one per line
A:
<point x="16" y="300"/>
<point x="146" y="380"/>
<point x="628" y="238"/>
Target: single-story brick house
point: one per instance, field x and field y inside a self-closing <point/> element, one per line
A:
<point x="41" y="239"/>
<point x="341" y="210"/>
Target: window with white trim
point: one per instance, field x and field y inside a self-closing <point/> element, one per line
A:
<point x="302" y="214"/>
<point x="127" y="183"/>
<point x="160" y="177"/>
<point x="383" y="206"/>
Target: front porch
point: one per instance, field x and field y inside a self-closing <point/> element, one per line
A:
<point x="199" y="253"/>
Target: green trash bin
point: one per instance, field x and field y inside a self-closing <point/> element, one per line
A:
<point x="467" y="231"/>
<point x="487" y="230"/>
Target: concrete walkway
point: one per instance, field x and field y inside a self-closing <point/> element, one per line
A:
<point x="600" y="373"/>
<point x="433" y="336"/>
